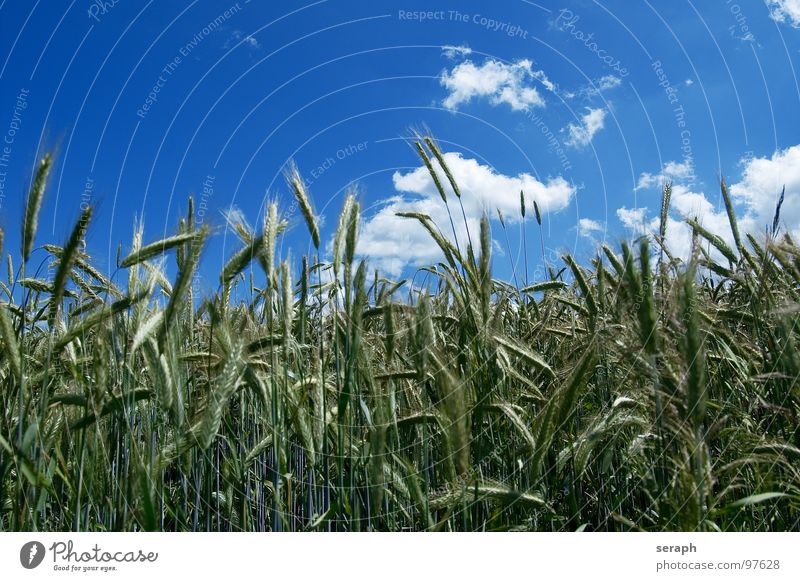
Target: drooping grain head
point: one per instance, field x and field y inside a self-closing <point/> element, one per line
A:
<point x="434" y="176"/>
<point x="303" y="201"/>
<point x="440" y="158"/>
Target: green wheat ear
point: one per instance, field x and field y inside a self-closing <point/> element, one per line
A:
<point x="155" y="249"/>
<point x="440" y="158"/>
<point x="342" y="230"/>
<point x="33" y="205"/>
<point x="239" y="261"/>
<point x="301" y="195"/>
<point x="66" y="260"/>
<point x="434" y="176"/>
<point x="11" y="347"/>
<point x="716" y="241"/>
<point x="537" y="213"/>
<point x="726" y="196"/>
<point x="271" y="229"/>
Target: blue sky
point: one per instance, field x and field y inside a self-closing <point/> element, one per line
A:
<point x="586" y="105"/>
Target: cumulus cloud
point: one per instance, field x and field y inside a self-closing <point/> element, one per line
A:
<point x="393" y="242"/>
<point x="755" y="196"/>
<point x="763" y="179"/>
<point x="633" y="219"/>
<point x="785" y="11"/>
<point x="582" y="135"/>
<point x="453" y="52"/>
<point x="498" y="82"/>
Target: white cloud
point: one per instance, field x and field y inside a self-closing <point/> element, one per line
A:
<point x="587" y="227"/>
<point x="393" y="242"/>
<point x="763" y="178"/>
<point x="452" y="52"/>
<point x="688" y="82"/>
<point x="608" y="82"/>
<point x="547" y="83"/>
<point x="633" y="219"/>
<point x="754" y="196"/>
<point x="672" y="171"/>
<point x="686" y="204"/>
<point x="496" y="81"/>
<point x="582" y="135"/>
<point x="785" y="11"/>
<point x="595" y="88"/>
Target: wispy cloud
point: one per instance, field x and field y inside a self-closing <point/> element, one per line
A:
<point x="607" y="83"/>
<point x="596" y="88"/>
<point x="582" y="135"/>
<point x="453" y="52"/>
<point x="239" y="36"/>
<point x="588" y="227"/>
<point x="672" y="171"/>
<point x="785" y="11"/>
<point x="633" y="219"/>
<point x="495" y="81"/>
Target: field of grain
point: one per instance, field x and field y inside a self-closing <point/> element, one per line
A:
<point x="635" y="392"/>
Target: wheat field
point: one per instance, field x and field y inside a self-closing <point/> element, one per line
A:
<point x="634" y="392"/>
